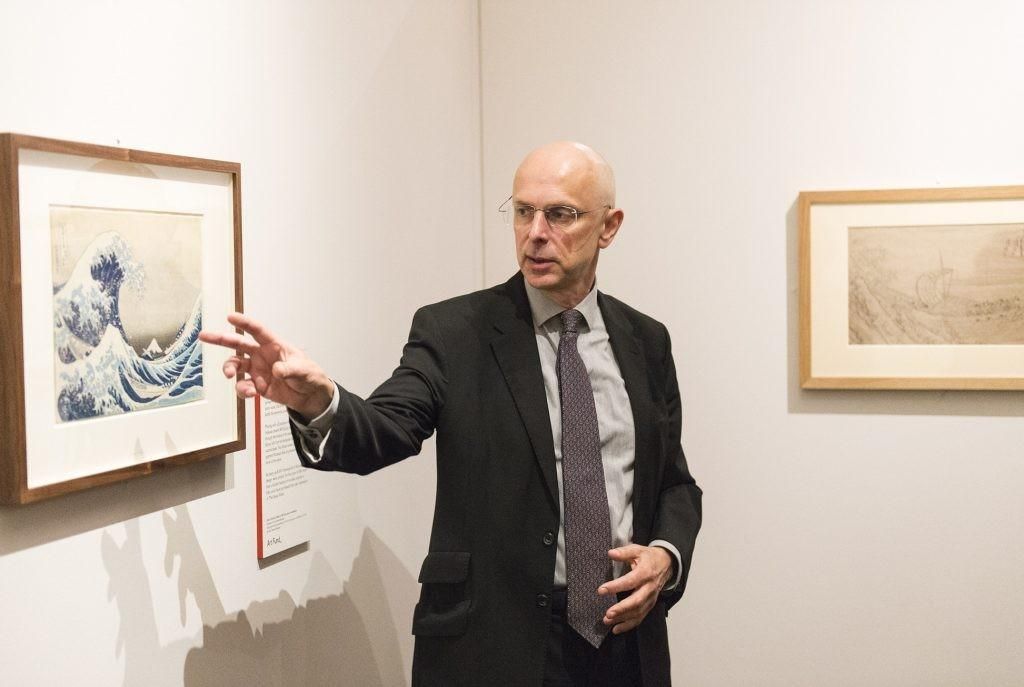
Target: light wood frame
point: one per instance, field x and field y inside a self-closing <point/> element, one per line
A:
<point x="812" y="379"/>
<point x="14" y="488"/>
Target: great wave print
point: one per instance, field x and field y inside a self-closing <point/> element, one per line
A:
<point x="127" y="310"/>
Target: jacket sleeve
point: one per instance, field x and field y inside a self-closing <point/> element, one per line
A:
<point x="678" y="515"/>
<point x="391" y="423"/>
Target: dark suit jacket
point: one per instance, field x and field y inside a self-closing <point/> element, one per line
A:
<point x="471" y="371"/>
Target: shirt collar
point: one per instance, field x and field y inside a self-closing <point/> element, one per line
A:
<point x="543" y="308"/>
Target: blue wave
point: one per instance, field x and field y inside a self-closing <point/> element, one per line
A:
<point x="98" y="372"/>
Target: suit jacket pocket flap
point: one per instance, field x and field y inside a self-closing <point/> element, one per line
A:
<point x="444" y="567"/>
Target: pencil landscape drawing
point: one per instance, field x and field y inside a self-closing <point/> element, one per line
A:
<point x="936" y="285"/>
<point x="127" y="310"/>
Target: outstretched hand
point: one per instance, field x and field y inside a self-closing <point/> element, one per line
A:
<point x="651" y="571"/>
<point x="272" y="368"/>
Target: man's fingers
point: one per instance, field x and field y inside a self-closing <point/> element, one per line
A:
<point x="253" y="327"/>
<point x="626" y="626"/>
<point x="635" y="602"/>
<point x="631" y="580"/>
<point x="645" y="568"/>
<point x="236" y="366"/>
<point x="245" y="388"/>
<point x="629" y="612"/>
<point x="261" y="384"/>
<point x="626" y="553"/>
<point x="214" y="337"/>
<point x="230" y="340"/>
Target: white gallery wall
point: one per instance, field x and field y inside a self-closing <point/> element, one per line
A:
<point x="854" y="538"/>
<point x="352" y="121"/>
<point x="850" y="538"/>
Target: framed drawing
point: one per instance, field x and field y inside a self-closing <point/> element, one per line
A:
<point x="912" y="289"/>
<point x="111" y="261"/>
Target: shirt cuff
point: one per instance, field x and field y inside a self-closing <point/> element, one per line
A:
<point x="674" y="552"/>
<point x="314" y="435"/>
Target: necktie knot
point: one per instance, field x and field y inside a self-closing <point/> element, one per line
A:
<point x="570" y="321"/>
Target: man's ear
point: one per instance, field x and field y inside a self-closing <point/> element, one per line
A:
<point x="611" y="227"/>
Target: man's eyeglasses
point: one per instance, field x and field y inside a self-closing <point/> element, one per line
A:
<point x="557" y="216"/>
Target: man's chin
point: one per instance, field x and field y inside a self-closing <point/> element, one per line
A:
<point x="543" y="282"/>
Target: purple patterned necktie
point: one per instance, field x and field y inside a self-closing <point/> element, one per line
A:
<point x="587" y="522"/>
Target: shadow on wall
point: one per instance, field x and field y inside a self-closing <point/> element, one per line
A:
<point x="36" y="524"/>
<point x="335" y="635"/>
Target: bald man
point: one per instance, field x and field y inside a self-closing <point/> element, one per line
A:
<point x="565" y="514"/>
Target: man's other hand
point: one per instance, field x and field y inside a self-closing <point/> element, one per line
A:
<point x="651" y="571"/>
<point x="264" y="364"/>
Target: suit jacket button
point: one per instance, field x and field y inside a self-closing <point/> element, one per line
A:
<point x="542" y="600"/>
<point x="549" y="538"/>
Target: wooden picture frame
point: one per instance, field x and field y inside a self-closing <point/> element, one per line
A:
<point x="102" y="248"/>
<point x="912" y="288"/>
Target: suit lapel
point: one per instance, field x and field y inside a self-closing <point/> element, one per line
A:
<point x="633" y="366"/>
<point x="516" y="352"/>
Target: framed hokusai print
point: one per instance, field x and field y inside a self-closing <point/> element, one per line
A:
<point x="112" y="260"/>
<point x="912" y="289"/>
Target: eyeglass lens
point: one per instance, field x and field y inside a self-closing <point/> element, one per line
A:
<point x="557" y="216"/>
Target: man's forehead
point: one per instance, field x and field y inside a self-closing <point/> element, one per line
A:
<point x="553" y="175"/>
<point x="547" y="194"/>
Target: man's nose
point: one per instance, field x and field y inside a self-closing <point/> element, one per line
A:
<point x="539" y="226"/>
